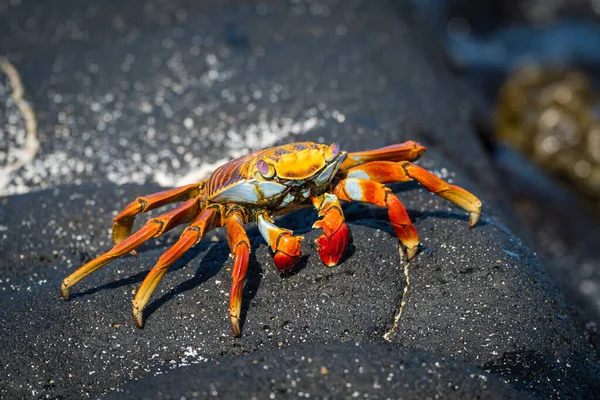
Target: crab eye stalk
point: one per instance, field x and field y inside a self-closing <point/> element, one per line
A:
<point x="265" y="169"/>
<point x="334" y="151"/>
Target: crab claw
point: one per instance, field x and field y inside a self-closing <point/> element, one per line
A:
<point x="288" y="252"/>
<point x="331" y="248"/>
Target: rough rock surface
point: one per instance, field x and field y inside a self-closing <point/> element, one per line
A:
<point x="358" y="73"/>
<point x="341" y="370"/>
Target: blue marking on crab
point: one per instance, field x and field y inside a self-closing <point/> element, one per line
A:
<point x="328" y="172"/>
<point x="251" y="192"/>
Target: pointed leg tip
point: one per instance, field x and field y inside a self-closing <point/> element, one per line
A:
<point x="138" y="316"/>
<point x="411" y="252"/>
<point x="139" y="320"/>
<point x="235" y="326"/>
<point x="474" y="218"/>
<point x="65" y="292"/>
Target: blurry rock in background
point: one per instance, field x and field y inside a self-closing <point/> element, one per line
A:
<point x="490" y="40"/>
<point x="553" y="117"/>
<point x="535" y="69"/>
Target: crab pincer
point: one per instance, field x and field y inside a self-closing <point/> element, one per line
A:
<point x="332" y="243"/>
<point x="287" y="247"/>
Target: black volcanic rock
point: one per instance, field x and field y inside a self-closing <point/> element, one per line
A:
<point x="357" y="73"/>
<point x="474" y="295"/>
<point x="339" y="370"/>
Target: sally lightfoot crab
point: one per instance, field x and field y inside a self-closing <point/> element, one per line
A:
<point x="270" y="182"/>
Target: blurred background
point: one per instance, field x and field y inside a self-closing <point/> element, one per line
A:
<point x="531" y="69"/>
<point x="534" y="67"/>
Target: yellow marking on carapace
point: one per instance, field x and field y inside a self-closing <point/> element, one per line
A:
<point x="300" y="165"/>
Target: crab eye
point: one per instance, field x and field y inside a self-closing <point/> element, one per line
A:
<point x="334" y="152"/>
<point x="265" y="169"/>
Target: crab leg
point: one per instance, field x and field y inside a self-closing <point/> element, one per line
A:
<point x="376" y="193"/>
<point x="281" y="241"/>
<point x="124" y="220"/>
<point x="386" y="171"/>
<point x="240" y="251"/>
<point x="407" y="151"/>
<point x="155" y="227"/>
<point x="190" y="236"/>
<point x="334" y="240"/>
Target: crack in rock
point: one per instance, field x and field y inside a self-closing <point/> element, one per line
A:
<point x="403" y="300"/>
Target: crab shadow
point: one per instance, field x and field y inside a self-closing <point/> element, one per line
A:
<point x="373" y="216"/>
<point x="209" y="266"/>
<point x="378" y="218"/>
<point x="139" y="277"/>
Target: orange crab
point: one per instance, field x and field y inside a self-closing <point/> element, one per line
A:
<point x="270" y="182"/>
